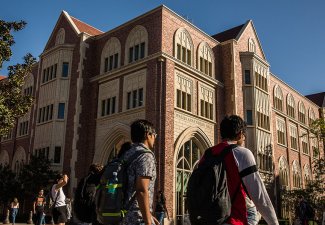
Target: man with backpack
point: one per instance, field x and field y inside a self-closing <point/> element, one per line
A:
<point x="84" y="198"/>
<point x="228" y="172"/>
<point x="141" y="175"/>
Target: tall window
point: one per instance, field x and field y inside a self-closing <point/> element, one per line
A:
<point x="188" y="157"/>
<point x="283" y="172"/>
<point x="301" y="112"/>
<point x="293" y="136"/>
<point x="61" y="110"/>
<point x="134" y="98"/>
<point x="261" y="81"/>
<point x="28" y="91"/>
<point x="206" y="103"/>
<point x="296" y="174"/>
<point x="307" y="174"/>
<point x="315" y="149"/>
<point x="136" y="44"/>
<point x="57" y="155"/>
<point x="249" y="117"/>
<point x="248" y="77"/>
<point x="265" y="158"/>
<point x="205" y="59"/>
<point x="111" y="55"/>
<point x="109" y="106"/>
<point x="23" y="128"/>
<point x="65" y="69"/>
<point x="304" y="142"/>
<point x="184" y="93"/>
<point x="290" y="106"/>
<point x="281" y="131"/>
<point x="311" y="116"/>
<point x="184" y="47"/>
<point x="42" y="152"/>
<point x="278" y="98"/>
<point x="45" y="113"/>
<point x="49" y="73"/>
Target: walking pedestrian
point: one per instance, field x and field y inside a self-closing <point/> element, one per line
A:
<point x="59" y="211"/>
<point x="38" y="207"/>
<point x="14" y="207"/>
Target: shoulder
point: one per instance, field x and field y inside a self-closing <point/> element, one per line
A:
<point x="243" y="157"/>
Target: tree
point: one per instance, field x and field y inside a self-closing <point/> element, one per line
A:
<point x="36" y="175"/>
<point x="9" y="185"/>
<point x="13" y="103"/>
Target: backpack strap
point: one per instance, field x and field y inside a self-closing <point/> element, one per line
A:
<point x="212" y="159"/>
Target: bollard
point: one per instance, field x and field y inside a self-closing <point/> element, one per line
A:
<point x="30" y="219"/>
<point x="6" y="220"/>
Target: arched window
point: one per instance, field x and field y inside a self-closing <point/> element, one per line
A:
<point x="307" y="174"/>
<point x="205" y="59"/>
<point x="187" y="159"/>
<point x="251" y="45"/>
<point x="111" y="55"/>
<point x="311" y="116"/>
<point x="301" y="112"/>
<point x="283" y="172"/>
<point x="278" y="98"/>
<point x="291" y="106"/>
<point x="60" y="37"/>
<point x="136" y="47"/>
<point x="296" y="174"/>
<point x="4" y="158"/>
<point x="183" y="46"/>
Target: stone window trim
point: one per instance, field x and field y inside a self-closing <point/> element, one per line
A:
<point x="281" y="131"/>
<point x="205" y="59"/>
<point x="251" y="45"/>
<point x="111" y="55"/>
<point x="293" y="137"/>
<point x="184" y="93"/>
<point x="206" y="102"/>
<point x="291" y="106"/>
<point x="304" y="141"/>
<point x="60" y="37"/>
<point x="278" y="98"/>
<point x="134" y="91"/>
<point x="301" y="112"/>
<point x="283" y="172"/>
<point x="311" y="116"/>
<point x="183" y="46"/>
<point x="138" y="36"/>
<point x="296" y="172"/>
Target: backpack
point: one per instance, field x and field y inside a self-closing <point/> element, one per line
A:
<point x="84" y="203"/>
<point x="111" y="194"/>
<point x="208" y="199"/>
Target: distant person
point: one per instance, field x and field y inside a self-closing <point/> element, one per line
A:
<point x="84" y="207"/>
<point x="38" y="207"/>
<point x="14" y="207"/>
<point x="304" y="211"/>
<point x="161" y="209"/>
<point x="59" y="211"/>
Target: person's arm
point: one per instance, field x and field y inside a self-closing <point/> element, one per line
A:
<point x="142" y="195"/>
<point x="60" y="185"/>
<point x="260" y="197"/>
<point x="34" y="206"/>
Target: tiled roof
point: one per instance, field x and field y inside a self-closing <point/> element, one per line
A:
<point x="228" y="34"/>
<point x="318" y="99"/>
<point x="83" y="27"/>
<point x="2" y="77"/>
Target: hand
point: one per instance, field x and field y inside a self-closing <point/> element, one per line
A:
<point x="155" y="220"/>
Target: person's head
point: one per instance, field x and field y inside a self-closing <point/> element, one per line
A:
<point x="233" y="128"/>
<point x="41" y="192"/>
<point x="124" y="148"/>
<point x="95" y="168"/>
<point x="300" y="197"/>
<point x="142" y="131"/>
<point x="59" y="178"/>
<point x="15" y="200"/>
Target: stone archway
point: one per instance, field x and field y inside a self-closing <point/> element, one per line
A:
<point x="111" y="142"/>
<point x="18" y="160"/>
<point x="4" y="158"/>
<point x="189" y="148"/>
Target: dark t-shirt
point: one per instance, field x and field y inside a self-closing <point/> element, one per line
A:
<point x="39" y="203"/>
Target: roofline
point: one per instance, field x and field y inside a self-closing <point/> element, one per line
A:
<point x="294" y="90"/>
<point x="86" y="24"/>
<point x="71" y="22"/>
<point x="148" y="13"/>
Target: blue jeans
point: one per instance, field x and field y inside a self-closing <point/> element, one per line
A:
<point x="160" y="217"/>
<point x="14" y="212"/>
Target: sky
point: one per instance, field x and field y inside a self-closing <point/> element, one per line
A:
<point x="291" y="31"/>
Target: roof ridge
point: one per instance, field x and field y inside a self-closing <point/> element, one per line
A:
<point x="86" y="23"/>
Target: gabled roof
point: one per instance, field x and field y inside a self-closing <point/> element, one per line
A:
<point x="84" y="27"/>
<point x="228" y="34"/>
<point x="318" y="98"/>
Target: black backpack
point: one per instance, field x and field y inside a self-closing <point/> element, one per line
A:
<point x="111" y="198"/>
<point x="208" y="199"/>
<point x="84" y="200"/>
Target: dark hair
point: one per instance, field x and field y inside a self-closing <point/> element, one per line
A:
<point x="231" y="126"/>
<point x="139" y="130"/>
<point x="95" y="168"/>
<point x="58" y="177"/>
<point x="124" y="148"/>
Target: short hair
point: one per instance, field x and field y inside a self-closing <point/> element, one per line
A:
<point x="139" y="130"/>
<point x="95" y="168"/>
<point x="231" y="126"/>
<point x="124" y="148"/>
<point x="58" y="177"/>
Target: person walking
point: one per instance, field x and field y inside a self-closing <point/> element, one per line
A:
<point x="14" y="207"/>
<point x="141" y="175"/>
<point x="243" y="177"/>
<point x="59" y="211"/>
<point x="38" y="207"/>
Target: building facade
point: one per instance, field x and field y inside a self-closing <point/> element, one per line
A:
<point x="89" y="86"/>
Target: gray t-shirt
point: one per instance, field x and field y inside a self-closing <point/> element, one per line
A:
<point x="143" y="166"/>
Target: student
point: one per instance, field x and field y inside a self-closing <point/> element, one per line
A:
<point x="14" y="206"/>
<point x="141" y="175"/>
<point x="60" y="210"/>
<point x="38" y="207"/>
<point x="242" y="170"/>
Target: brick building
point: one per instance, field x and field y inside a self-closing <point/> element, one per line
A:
<point x="91" y="85"/>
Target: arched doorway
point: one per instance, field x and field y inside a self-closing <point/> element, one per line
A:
<point x="187" y="160"/>
<point x="115" y="147"/>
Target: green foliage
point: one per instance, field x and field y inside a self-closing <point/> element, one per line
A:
<point x="318" y="128"/>
<point x="9" y="185"/>
<point x="13" y="103"/>
<point x="37" y="174"/>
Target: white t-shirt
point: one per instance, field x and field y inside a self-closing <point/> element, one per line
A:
<point x="60" y="199"/>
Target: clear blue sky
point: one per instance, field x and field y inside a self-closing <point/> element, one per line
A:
<point x="292" y="32"/>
